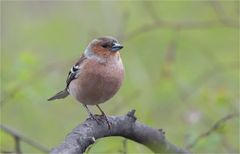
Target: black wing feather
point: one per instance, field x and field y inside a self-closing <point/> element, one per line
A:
<point x="72" y="75"/>
<point x="74" y="71"/>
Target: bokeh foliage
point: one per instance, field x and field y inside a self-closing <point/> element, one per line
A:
<point x="179" y="78"/>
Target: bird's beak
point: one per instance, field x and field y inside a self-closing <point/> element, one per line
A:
<point x="116" y="47"/>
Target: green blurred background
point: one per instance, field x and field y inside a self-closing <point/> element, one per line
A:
<point x="181" y="60"/>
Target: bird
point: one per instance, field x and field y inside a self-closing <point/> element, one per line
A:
<point x="97" y="76"/>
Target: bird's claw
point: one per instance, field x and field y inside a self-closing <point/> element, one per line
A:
<point x="106" y="119"/>
<point x="99" y="119"/>
<point x="108" y="123"/>
<point x="94" y="117"/>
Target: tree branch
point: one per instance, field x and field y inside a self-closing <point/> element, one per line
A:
<point x="19" y="137"/>
<point x="212" y="129"/>
<point x="126" y="126"/>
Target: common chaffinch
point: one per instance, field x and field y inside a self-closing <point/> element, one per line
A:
<point x="96" y="76"/>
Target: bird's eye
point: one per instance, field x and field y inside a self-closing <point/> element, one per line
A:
<point x="104" y="45"/>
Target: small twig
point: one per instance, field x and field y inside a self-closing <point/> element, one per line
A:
<point x="186" y="95"/>
<point x="124" y="148"/>
<point x="183" y="25"/>
<point x="7" y="152"/>
<point x="148" y="6"/>
<point x="17" y="145"/>
<point x="25" y="139"/>
<point x="218" y="8"/>
<point x="212" y="129"/>
<point x="20" y="86"/>
<point x="220" y="12"/>
<point x="180" y="25"/>
<point x="170" y="56"/>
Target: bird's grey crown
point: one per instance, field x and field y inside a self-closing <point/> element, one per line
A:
<point x="107" y="39"/>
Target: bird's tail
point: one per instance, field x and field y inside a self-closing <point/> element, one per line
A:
<point x="60" y="95"/>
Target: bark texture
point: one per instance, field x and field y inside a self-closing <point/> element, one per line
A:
<point x="126" y="126"/>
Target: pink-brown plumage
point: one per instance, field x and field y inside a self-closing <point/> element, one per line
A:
<point x="97" y="82"/>
<point x="97" y="75"/>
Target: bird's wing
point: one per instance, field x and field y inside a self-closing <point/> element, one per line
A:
<point x="75" y="70"/>
<point x="73" y="74"/>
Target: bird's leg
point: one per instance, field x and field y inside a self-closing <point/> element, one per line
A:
<point x="90" y="114"/>
<point x="108" y="123"/>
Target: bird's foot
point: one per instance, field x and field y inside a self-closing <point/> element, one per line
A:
<point x="100" y="119"/>
<point x="106" y="119"/>
<point x="96" y="118"/>
<point x="108" y="123"/>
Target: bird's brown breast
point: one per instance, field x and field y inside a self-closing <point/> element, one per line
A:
<point x="97" y="82"/>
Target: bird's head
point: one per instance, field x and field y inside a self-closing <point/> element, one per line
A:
<point x="104" y="47"/>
